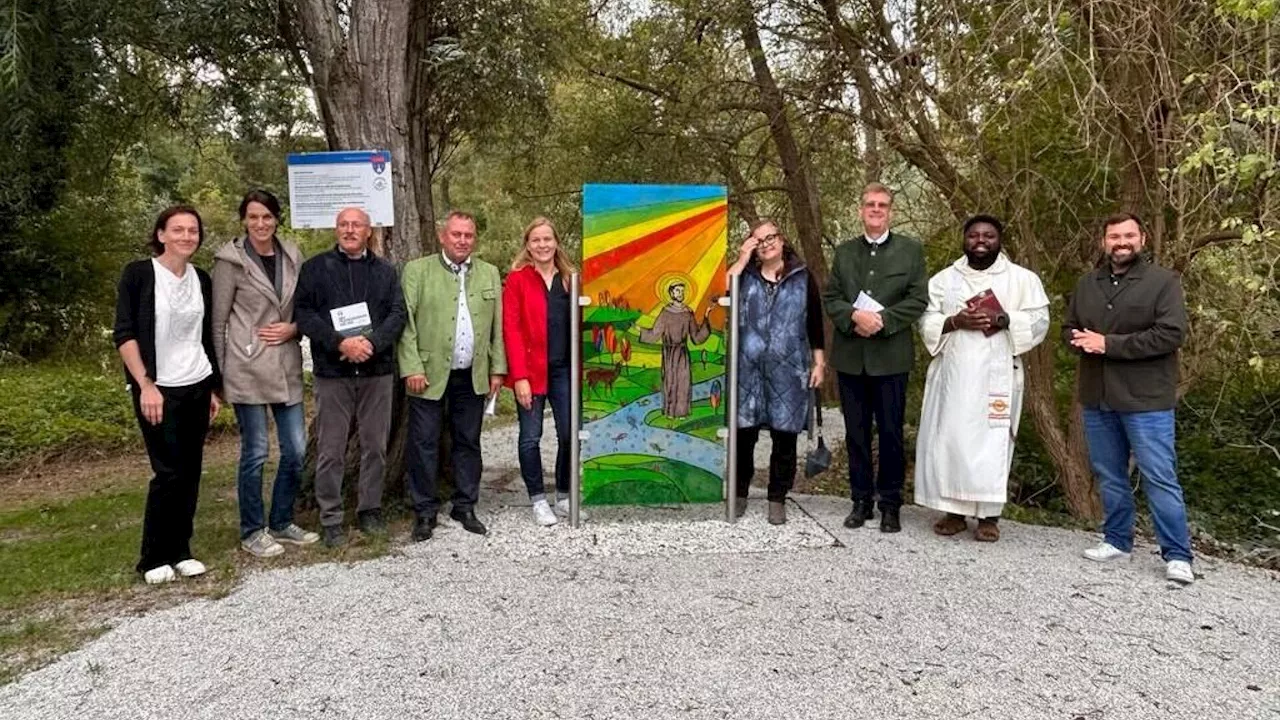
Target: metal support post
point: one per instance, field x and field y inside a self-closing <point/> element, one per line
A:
<point x="731" y="408"/>
<point x="575" y="397"/>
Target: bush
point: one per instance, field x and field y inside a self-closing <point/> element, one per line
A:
<point x="1227" y="462"/>
<point x="52" y="409"/>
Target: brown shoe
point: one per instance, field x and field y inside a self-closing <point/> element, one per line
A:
<point x="777" y="512"/>
<point x="950" y="524"/>
<point x="988" y="531"/>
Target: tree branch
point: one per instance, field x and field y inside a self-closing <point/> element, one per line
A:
<point x="633" y="84"/>
<point x="1205" y="241"/>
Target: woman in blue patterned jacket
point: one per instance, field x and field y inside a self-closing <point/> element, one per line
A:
<point x="780" y="357"/>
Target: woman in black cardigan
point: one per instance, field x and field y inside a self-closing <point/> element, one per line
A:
<point x="165" y="338"/>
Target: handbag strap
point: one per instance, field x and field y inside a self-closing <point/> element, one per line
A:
<point x="817" y="410"/>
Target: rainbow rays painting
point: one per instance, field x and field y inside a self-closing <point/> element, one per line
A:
<point x="653" y="345"/>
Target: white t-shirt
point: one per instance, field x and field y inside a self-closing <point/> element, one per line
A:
<point x="180" y="356"/>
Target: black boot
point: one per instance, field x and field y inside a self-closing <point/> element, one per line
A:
<point x="889" y="521"/>
<point x="469" y="521"/>
<point x="422" y="527"/>
<point x="370" y="522"/>
<point x="862" y="512"/>
<point x="333" y="536"/>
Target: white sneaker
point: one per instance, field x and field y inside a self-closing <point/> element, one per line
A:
<point x="159" y="575"/>
<point x="1105" y="552"/>
<point x="543" y="514"/>
<point x="190" y="568"/>
<point x="1179" y="571"/>
<point x="295" y="535"/>
<point x="562" y="508"/>
<point x="261" y="544"/>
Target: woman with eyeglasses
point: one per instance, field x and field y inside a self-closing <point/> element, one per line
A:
<point x="780" y="358"/>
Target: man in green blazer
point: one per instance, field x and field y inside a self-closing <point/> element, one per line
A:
<point x="450" y="354"/>
<point x="877" y="290"/>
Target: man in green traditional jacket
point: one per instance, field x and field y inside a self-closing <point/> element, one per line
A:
<point x="877" y="290"/>
<point x="450" y="354"/>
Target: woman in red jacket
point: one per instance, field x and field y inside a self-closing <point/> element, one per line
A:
<point x="535" y="329"/>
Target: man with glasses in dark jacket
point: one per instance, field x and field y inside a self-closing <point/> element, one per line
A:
<point x="350" y="307"/>
<point x="877" y="290"/>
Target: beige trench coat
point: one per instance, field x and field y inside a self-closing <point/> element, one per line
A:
<point x="244" y="299"/>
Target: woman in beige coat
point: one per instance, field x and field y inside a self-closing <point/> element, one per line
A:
<point x="257" y="345"/>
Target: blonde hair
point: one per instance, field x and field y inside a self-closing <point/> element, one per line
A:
<point x="523" y="258"/>
<point x="878" y="189"/>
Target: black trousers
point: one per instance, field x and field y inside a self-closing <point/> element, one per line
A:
<point x="466" y="413"/>
<point x="176" y="450"/>
<point x="882" y="398"/>
<point x="782" y="461"/>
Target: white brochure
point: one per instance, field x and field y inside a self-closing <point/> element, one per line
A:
<point x="352" y="320"/>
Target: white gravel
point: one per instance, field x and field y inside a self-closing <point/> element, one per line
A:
<point x="663" y="613"/>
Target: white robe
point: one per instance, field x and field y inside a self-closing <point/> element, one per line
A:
<point x="964" y="447"/>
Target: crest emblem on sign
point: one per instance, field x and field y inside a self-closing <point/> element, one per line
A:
<point x="379" y="163"/>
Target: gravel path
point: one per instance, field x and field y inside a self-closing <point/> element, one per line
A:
<point x="663" y="613"/>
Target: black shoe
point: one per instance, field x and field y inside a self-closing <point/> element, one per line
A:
<point x="469" y="521"/>
<point x="333" y="536"/>
<point x="371" y="523"/>
<point x="889" y="521"/>
<point x="422" y="527"/>
<point x="862" y="512"/>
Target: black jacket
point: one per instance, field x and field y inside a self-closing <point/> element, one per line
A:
<point x="332" y="280"/>
<point x="1144" y="318"/>
<point x="136" y="317"/>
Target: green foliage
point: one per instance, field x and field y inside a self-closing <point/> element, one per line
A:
<point x="1228" y="440"/>
<point x="58" y="409"/>
<point x="55" y="409"/>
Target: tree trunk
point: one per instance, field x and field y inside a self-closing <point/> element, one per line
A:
<point x="796" y="172"/>
<point x="361" y="79"/>
<point x="363" y="61"/>
<point x="1065" y="446"/>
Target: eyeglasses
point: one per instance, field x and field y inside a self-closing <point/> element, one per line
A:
<point x="770" y="239"/>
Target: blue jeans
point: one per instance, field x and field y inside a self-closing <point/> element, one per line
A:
<point x="291" y="429"/>
<point x="1149" y="435"/>
<point x="531" y="435"/>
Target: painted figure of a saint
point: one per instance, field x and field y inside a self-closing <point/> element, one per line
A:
<point x="675" y="327"/>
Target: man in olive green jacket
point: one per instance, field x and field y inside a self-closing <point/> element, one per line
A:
<point x="877" y="290"/>
<point x="451" y="353"/>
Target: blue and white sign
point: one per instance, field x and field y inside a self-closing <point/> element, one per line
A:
<point x="321" y="184"/>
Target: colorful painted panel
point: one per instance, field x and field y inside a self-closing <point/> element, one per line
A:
<point x="653" y="345"/>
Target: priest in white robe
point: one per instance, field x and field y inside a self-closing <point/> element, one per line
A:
<point x="974" y="388"/>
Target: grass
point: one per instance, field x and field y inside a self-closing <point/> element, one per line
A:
<point x="67" y="559"/>
<point x="50" y="410"/>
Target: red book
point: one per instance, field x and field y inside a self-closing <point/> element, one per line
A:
<point x="987" y="302"/>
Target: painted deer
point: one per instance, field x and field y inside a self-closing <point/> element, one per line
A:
<point x="603" y="376"/>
